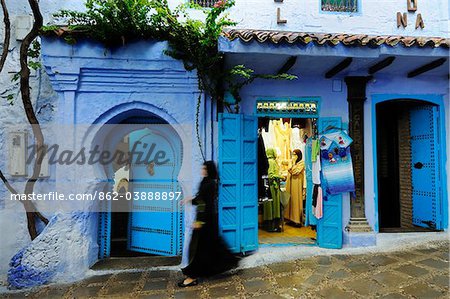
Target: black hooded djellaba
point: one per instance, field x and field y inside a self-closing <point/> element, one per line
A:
<point x="208" y="253"/>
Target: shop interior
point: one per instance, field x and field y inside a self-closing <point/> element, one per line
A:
<point x="284" y="214"/>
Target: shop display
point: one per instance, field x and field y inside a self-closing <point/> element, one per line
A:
<point x="298" y="169"/>
<point x="336" y="162"/>
<point x="286" y="171"/>
<point x="272" y="209"/>
<point x="294" y="185"/>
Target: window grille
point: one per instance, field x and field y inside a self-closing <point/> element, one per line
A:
<point x="204" y="3"/>
<point x="340" y="5"/>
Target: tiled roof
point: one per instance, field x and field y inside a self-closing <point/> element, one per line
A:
<point x="333" y="39"/>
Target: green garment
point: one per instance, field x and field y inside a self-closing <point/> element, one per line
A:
<point x="271" y="209"/>
<point x="315" y="150"/>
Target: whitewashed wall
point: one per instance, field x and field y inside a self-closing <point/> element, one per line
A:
<point x="378" y="17"/>
<point x="12" y="214"/>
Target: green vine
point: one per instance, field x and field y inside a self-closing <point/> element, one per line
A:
<point x="194" y="42"/>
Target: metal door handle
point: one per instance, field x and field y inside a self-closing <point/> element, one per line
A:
<point x="418" y="165"/>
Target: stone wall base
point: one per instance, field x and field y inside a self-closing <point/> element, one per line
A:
<point x="352" y="239"/>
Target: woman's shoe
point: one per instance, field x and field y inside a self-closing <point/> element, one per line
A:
<point x="181" y="284"/>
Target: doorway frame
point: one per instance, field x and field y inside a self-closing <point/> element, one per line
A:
<point x="437" y="100"/>
<point x="315" y="116"/>
<point x="111" y="116"/>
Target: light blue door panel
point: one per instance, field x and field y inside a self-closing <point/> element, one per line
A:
<point x="238" y="210"/>
<point x="154" y="222"/>
<point x="329" y="227"/>
<point x="229" y="186"/>
<point x="249" y="186"/>
<point x="425" y="166"/>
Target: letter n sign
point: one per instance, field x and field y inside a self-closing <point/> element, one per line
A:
<point x="402" y="20"/>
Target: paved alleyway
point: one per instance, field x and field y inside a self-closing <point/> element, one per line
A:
<point x="422" y="272"/>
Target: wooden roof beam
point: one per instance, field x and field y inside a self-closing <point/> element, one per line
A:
<point x="287" y="65"/>
<point x="381" y="65"/>
<point x="339" y="67"/>
<point x="427" y="67"/>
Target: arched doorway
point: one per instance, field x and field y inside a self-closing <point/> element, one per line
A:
<point x="145" y="217"/>
<point x="408" y="155"/>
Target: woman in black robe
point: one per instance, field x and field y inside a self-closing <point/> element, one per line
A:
<point x="208" y="253"/>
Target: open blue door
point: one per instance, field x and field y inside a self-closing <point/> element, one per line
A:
<point x="425" y="166"/>
<point x="238" y="203"/>
<point x="329" y="227"/>
<point x="249" y="184"/>
<point x="154" y="217"/>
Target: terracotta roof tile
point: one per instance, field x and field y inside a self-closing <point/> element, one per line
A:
<point x="332" y="39"/>
<point x="277" y="37"/>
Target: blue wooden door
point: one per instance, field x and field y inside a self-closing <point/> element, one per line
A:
<point x="154" y="224"/>
<point x="238" y="210"/>
<point x="249" y="184"/>
<point x="425" y="166"/>
<point x="329" y="227"/>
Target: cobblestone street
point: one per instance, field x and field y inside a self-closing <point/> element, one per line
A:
<point x="422" y="272"/>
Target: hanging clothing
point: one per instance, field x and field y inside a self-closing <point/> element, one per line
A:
<point x="315" y="150"/>
<point x="297" y="142"/>
<point x="296" y="139"/>
<point x="314" y="196"/>
<point x="283" y="139"/>
<point x="267" y="138"/>
<point x="310" y="219"/>
<point x="294" y="185"/>
<point x="208" y="252"/>
<point x="271" y="209"/>
<point x="316" y="171"/>
<point x="263" y="166"/>
<point x="318" y="211"/>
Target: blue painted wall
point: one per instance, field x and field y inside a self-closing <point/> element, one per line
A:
<point x="94" y="86"/>
<point x="334" y="103"/>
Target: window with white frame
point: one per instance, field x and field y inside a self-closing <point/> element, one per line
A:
<point x="340" y="5"/>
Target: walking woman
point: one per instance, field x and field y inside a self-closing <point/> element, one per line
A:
<point x="208" y="253"/>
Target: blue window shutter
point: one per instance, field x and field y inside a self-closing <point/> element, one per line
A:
<point x="154" y="225"/>
<point x="249" y="184"/>
<point x="230" y="165"/>
<point x="425" y="167"/>
<point x="329" y="227"/>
